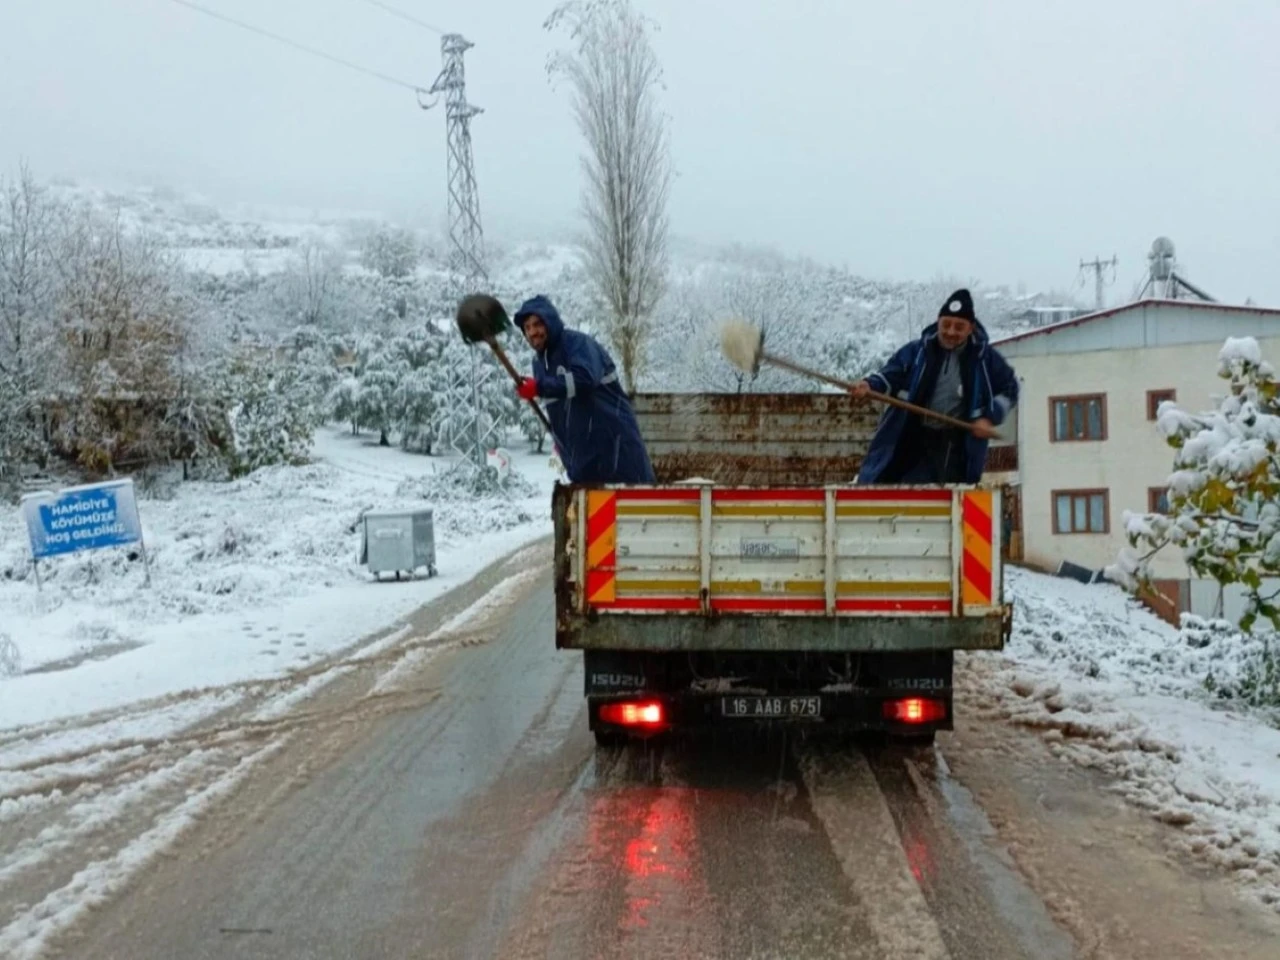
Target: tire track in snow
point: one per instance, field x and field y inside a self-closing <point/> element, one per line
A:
<point x="30" y="932"/>
<point x="853" y="809"/>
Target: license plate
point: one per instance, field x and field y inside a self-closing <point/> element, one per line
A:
<point x="771" y="708"/>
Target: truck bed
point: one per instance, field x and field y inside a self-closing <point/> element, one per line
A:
<point x="754" y="538"/>
<point x="703" y="567"/>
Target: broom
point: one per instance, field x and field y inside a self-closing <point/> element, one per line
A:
<point x="743" y="345"/>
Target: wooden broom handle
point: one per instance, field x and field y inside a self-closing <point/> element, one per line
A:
<point x="882" y="397"/>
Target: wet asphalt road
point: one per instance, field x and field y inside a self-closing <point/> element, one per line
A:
<point x="486" y="824"/>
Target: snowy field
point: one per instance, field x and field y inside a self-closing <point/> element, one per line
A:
<point x="251" y="579"/>
<point x="1111" y="687"/>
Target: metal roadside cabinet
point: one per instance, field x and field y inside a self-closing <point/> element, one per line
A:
<point x="399" y="542"/>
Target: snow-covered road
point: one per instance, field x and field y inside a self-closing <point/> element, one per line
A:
<point x="443" y="798"/>
<point x="141" y="714"/>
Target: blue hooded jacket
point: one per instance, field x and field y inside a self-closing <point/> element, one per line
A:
<point x="591" y="418"/>
<point x="911" y="373"/>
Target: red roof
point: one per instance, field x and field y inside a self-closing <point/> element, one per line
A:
<point x="1150" y="302"/>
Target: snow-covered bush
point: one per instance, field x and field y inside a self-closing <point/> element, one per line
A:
<point x="467" y="500"/>
<point x="1232" y="665"/>
<point x="1224" y="494"/>
<point x="20" y="441"/>
<point x="391" y="252"/>
<point x="270" y="419"/>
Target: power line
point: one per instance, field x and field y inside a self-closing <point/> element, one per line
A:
<point x="300" y="46"/>
<point x="1099" y="266"/>
<point x="403" y="16"/>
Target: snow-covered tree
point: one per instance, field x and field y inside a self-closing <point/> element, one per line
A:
<point x="29" y="228"/>
<point x="310" y="290"/>
<point x="343" y="404"/>
<point x="269" y="416"/>
<point x="1224" y="493"/>
<point x="314" y="354"/>
<point x="414" y="401"/>
<point x="121" y="325"/>
<point x="614" y="76"/>
<point x="391" y="252"/>
<point x="30" y="223"/>
<point x="380" y="379"/>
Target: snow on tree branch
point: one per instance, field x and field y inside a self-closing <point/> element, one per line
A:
<point x="1225" y="489"/>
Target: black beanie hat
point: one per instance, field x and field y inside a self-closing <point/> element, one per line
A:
<point x="959" y="304"/>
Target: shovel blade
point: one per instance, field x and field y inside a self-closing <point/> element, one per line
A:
<point x="480" y="317"/>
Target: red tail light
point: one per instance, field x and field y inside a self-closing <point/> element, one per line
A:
<point x="915" y="710"/>
<point x="645" y="713"/>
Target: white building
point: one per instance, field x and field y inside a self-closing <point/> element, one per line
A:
<point x="1087" y="448"/>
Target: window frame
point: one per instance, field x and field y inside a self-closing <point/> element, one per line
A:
<point x="1154" y="494"/>
<point x="1083" y="399"/>
<point x="1157" y="397"/>
<point x="1081" y="494"/>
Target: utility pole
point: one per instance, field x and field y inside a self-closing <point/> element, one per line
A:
<point x="466" y="237"/>
<point x="1098" y="265"/>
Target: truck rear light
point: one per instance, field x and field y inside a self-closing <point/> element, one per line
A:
<point x="644" y="713"/>
<point x="915" y="710"/>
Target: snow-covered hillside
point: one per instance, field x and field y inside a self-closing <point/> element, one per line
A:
<point x="820" y="312"/>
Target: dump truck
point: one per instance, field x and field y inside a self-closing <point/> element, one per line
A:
<point x="755" y="582"/>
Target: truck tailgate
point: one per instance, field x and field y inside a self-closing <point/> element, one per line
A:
<point x="835" y="568"/>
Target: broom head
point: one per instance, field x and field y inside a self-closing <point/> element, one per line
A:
<point x="741" y="343"/>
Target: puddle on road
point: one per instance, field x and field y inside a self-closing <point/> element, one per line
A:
<point x="1016" y="902"/>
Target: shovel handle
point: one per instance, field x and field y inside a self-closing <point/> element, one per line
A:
<point x="922" y="411"/>
<point x="882" y="397"/>
<point x="515" y="375"/>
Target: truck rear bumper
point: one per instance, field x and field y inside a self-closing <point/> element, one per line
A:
<point x="845" y="712"/>
<point x="758" y="634"/>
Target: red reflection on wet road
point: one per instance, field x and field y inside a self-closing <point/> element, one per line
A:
<point x="919" y="858"/>
<point x="646" y="838"/>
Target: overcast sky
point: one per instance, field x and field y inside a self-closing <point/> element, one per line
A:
<point x="996" y="139"/>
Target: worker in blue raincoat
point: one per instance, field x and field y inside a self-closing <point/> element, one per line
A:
<point x="953" y="370"/>
<point x="592" y="423"/>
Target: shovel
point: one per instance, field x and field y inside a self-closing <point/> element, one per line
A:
<point x="743" y="346"/>
<point x="480" y="319"/>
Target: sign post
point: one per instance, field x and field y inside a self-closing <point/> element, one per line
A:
<point x="91" y="517"/>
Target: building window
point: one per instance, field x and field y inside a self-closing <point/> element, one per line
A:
<point x="1078" y="418"/>
<point x="1157" y="397"/>
<point x="1158" y="500"/>
<point x="1081" y="511"/>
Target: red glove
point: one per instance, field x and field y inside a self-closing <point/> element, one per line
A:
<point x="528" y="389"/>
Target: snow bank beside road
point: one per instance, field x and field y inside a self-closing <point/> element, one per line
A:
<point x="1110" y="686"/>
<point x="249" y="578"/>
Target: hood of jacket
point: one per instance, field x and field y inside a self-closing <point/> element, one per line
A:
<point x="545" y="310"/>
